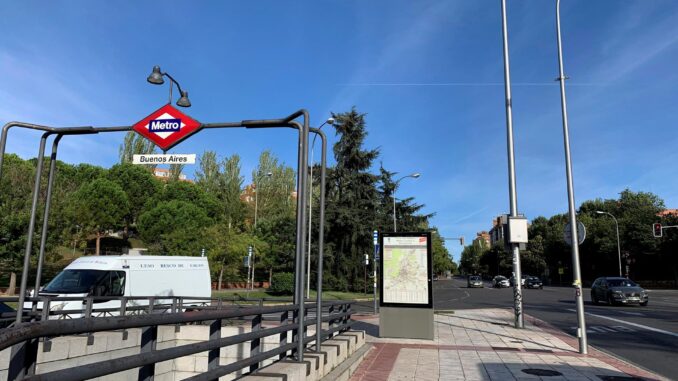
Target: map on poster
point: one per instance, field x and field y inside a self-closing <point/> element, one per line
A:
<point x="405" y="270"/>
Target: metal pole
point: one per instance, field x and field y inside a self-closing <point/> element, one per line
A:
<point x="256" y="199"/>
<point x="301" y="230"/>
<point x="513" y="197"/>
<point x="310" y="215"/>
<point x="579" y="298"/>
<point x="45" y="224"/>
<point x="395" y="228"/>
<point x="31" y="229"/>
<point x="618" y="245"/>
<point x="321" y="240"/>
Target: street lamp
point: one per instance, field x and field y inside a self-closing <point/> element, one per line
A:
<point x="329" y="121"/>
<point x="395" y="186"/>
<point x="576" y="269"/>
<point x="256" y="196"/>
<point x="618" y="242"/>
<point x="156" y="79"/>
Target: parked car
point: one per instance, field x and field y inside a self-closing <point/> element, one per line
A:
<point x="500" y="281"/>
<point x="523" y="277"/>
<point x="616" y="290"/>
<point x="475" y="281"/>
<point x="533" y="282"/>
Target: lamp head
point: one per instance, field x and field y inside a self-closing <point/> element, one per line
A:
<point x="416" y="175"/>
<point x="156" y="76"/>
<point x="269" y="174"/>
<point x="330" y="120"/>
<point x="599" y="212"/>
<point x="183" y="101"/>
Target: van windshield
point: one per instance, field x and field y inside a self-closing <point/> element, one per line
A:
<point x="85" y="281"/>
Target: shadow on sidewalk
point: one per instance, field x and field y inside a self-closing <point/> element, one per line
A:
<point x="507" y="336"/>
<point x="502" y="370"/>
<point x="370" y="329"/>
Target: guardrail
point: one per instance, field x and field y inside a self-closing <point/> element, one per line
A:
<point x="24" y="338"/>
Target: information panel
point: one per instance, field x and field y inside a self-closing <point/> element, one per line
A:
<point x="406" y="270"/>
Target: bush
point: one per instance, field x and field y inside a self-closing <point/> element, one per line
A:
<point x="282" y="284"/>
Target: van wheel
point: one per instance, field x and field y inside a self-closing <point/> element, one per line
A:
<point x="644" y="303"/>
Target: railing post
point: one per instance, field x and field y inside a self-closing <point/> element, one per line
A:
<point x="213" y="355"/>
<point x="22" y="360"/>
<point x="88" y="314"/>
<point x="330" y="323"/>
<point x="255" y="344"/>
<point x="295" y="331"/>
<point x="149" y="338"/>
<point x="283" y="336"/>
<point x="123" y="312"/>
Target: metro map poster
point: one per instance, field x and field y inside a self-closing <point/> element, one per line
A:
<point x="406" y="270"/>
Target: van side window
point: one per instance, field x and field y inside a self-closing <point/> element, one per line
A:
<point x="112" y="284"/>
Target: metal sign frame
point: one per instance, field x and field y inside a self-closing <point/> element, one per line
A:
<point x="302" y="185"/>
<point x="429" y="264"/>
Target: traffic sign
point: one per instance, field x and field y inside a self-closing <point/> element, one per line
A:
<point x="167" y="127"/>
<point x="581" y="233"/>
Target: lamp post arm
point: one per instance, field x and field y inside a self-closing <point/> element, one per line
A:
<point x="174" y="81"/>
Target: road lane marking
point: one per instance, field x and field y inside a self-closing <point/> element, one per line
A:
<point x="632" y="313"/>
<point x="632" y="324"/>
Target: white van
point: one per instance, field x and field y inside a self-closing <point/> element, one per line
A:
<point x="129" y="276"/>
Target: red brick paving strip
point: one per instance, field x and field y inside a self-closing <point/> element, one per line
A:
<point x="378" y="364"/>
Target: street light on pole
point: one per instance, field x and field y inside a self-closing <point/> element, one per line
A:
<point x="395" y="186"/>
<point x="579" y="298"/>
<point x="618" y="241"/>
<point x="310" y="209"/>
<point x="156" y="79"/>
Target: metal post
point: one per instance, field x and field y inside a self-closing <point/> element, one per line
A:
<point x="579" y="298"/>
<point x="301" y="231"/>
<point x="310" y="216"/>
<point x="256" y="199"/>
<point x="31" y="228"/>
<point x="513" y="197"/>
<point x="321" y="240"/>
<point x="618" y="246"/>
<point x="45" y="224"/>
<point x="395" y="228"/>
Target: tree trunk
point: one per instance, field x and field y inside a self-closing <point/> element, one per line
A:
<point x="12" y="284"/>
<point x="270" y="276"/>
<point x="98" y="247"/>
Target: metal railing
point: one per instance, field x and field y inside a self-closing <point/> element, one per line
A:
<point x="24" y="338"/>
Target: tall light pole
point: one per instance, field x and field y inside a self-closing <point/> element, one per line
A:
<point x="579" y="298"/>
<point x="310" y="210"/>
<point x="256" y="195"/>
<point x="618" y="242"/>
<point x="513" y="197"/>
<point x="395" y="186"/>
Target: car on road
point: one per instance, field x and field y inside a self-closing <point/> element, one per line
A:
<point x="617" y="290"/>
<point x="500" y="281"/>
<point x="533" y="282"/>
<point x="475" y="281"/>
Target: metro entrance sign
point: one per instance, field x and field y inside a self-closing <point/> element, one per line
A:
<point x="167" y="127"/>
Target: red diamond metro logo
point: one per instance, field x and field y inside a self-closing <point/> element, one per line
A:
<point x="167" y="127"/>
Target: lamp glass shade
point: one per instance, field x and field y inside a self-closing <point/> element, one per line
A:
<point x="155" y="77"/>
<point x="183" y="101"/>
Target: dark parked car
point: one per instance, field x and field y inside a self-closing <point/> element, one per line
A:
<point x="533" y="282"/>
<point x="475" y="281"/>
<point x="500" y="281"/>
<point x="615" y="290"/>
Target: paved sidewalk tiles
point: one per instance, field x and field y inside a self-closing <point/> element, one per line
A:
<point x="482" y="345"/>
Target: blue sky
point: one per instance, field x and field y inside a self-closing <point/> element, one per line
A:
<point x="428" y="74"/>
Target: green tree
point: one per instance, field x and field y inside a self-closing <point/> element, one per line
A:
<point x="139" y="185"/>
<point x="135" y="144"/>
<point x="175" y="228"/>
<point x="99" y="206"/>
<point x="352" y="198"/>
<point x="442" y="262"/>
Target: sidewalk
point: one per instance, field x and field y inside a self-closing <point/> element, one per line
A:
<point x="482" y="344"/>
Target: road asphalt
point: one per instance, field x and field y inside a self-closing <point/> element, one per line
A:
<point x="646" y="336"/>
